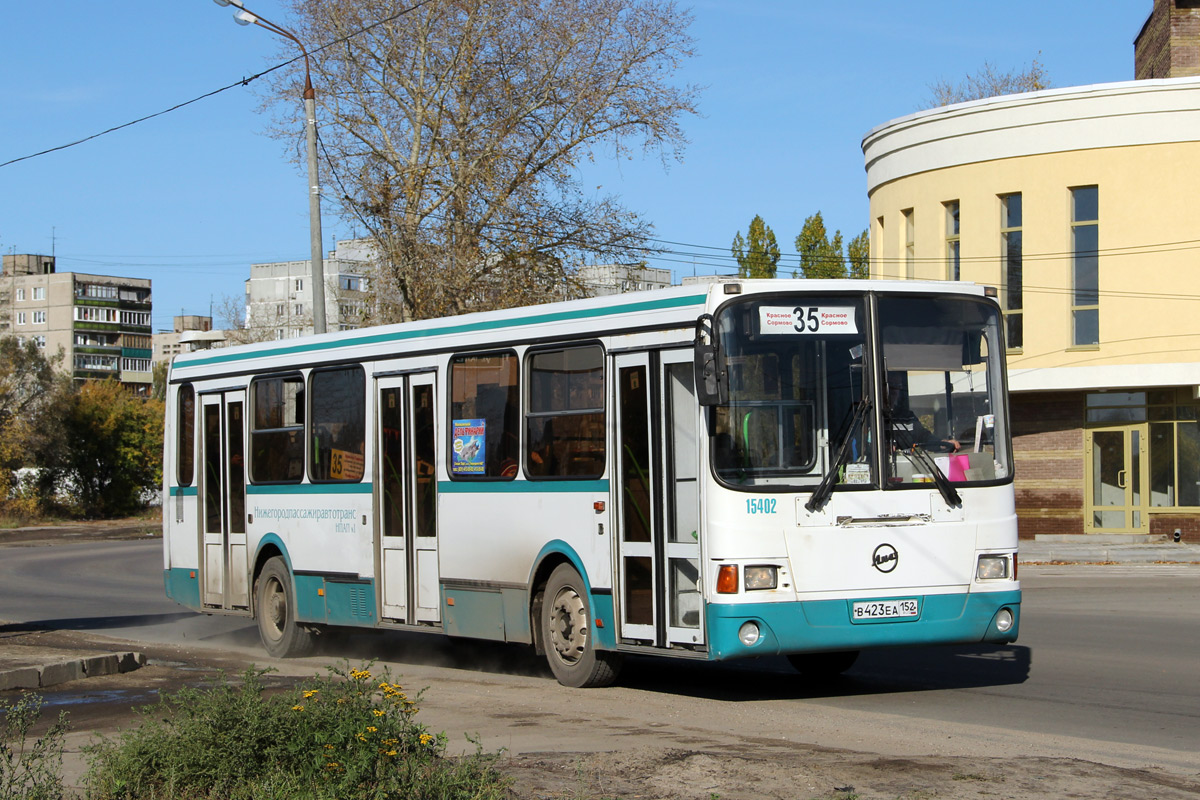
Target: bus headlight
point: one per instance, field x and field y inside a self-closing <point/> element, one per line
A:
<point x="748" y="633"/>
<point x="762" y="577"/>
<point x="991" y="568"/>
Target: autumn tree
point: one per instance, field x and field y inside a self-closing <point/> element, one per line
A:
<point x="820" y="256"/>
<point x="455" y="129"/>
<point x="758" y="254"/>
<point x="858" y="254"/>
<point x="111" y="454"/>
<point x="29" y="384"/>
<point x="989" y="82"/>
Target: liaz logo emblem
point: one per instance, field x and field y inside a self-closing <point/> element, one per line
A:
<point x="885" y="558"/>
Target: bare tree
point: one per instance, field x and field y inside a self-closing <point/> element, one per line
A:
<point x="455" y="132"/>
<point x="989" y="82"/>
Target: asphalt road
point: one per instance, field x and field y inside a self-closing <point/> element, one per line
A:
<point x="1105" y="670"/>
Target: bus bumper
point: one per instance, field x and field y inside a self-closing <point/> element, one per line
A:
<point x="827" y="625"/>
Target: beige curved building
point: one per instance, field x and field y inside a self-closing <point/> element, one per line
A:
<point x="1078" y="205"/>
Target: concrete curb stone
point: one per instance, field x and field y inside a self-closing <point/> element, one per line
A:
<point x="47" y="675"/>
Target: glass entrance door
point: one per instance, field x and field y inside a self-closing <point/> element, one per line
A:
<point x="1116" y="480"/>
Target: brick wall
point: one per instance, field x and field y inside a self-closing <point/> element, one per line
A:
<point x="1168" y="45"/>
<point x="1049" y="462"/>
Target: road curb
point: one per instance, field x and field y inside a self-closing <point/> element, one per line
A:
<point x="47" y="675"/>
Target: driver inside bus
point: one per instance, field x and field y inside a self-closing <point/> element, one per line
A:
<point x="906" y="427"/>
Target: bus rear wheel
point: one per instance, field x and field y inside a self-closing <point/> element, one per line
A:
<point x="566" y="633"/>
<point x="823" y="665"/>
<point x="275" y="608"/>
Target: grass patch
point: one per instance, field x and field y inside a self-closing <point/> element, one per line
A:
<point x="30" y="768"/>
<point x="349" y="734"/>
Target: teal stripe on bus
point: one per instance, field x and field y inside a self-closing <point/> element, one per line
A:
<point x="185" y="491"/>
<point x="521" y="487"/>
<point x="312" y="488"/>
<point x="467" y="327"/>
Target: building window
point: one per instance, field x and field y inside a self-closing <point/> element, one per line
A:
<point x="20" y="295"/>
<point x="40" y="341"/>
<point x="135" y="365"/>
<point x="22" y="318"/>
<point x="564" y="425"/>
<point x="90" y="361"/>
<point x="910" y="245"/>
<point x="39" y="318"/>
<point x="877" y="241"/>
<point x="1011" y="255"/>
<point x="350" y="283"/>
<point x="484" y="412"/>
<point x="952" y="241"/>
<point x="299" y="309"/>
<point x="137" y="318"/>
<point x="299" y="284"/>
<point x="39" y="293"/>
<point x="95" y="314"/>
<point x="280" y="309"/>
<point x="1085" y="261"/>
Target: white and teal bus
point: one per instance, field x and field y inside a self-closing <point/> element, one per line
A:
<point x="754" y="467"/>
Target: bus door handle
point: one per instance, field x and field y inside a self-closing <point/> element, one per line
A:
<point x="1121" y="479"/>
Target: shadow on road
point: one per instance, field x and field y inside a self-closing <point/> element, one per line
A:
<point x="876" y="672"/>
<point x="94" y="623"/>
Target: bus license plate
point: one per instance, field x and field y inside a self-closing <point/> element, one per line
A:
<point x="885" y="609"/>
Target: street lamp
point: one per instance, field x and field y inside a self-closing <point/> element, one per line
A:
<point x="244" y="16"/>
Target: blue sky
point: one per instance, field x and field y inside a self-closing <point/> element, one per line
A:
<point x="191" y="198"/>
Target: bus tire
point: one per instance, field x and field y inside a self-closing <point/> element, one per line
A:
<point x="566" y="634"/>
<point x="275" y="608"/>
<point x="823" y="665"/>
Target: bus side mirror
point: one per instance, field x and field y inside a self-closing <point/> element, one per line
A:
<point x="712" y="385"/>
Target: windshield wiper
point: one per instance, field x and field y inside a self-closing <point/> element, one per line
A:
<point x="944" y="487"/>
<point x="825" y="487"/>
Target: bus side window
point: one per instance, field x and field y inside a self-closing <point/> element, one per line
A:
<point x="564" y="424"/>
<point x="338" y="423"/>
<point x="187" y="435"/>
<point x="484" y="415"/>
<point x="277" y="430"/>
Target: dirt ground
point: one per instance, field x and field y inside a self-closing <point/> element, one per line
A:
<point x="757" y="768"/>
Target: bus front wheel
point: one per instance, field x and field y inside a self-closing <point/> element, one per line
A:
<point x="566" y="632"/>
<point x="275" y="607"/>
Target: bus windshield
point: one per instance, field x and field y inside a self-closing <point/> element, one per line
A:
<point x="943" y="390"/>
<point x="795" y="372"/>
<point x="805" y="395"/>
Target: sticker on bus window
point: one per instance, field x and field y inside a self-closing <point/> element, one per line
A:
<point x="470" y="439"/>
<point x="345" y="465"/>
<point x="806" y="320"/>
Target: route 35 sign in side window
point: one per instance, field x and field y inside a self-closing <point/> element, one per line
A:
<point x="806" y="320"/>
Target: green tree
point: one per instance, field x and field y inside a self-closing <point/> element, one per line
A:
<point x="455" y="128"/>
<point x="112" y="450"/>
<point x="758" y="254"/>
<point x="820" y="256"/>
<point x="858" y="253"/>
<point x="989" y="82"/>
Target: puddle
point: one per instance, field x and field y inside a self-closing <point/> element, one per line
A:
<point x="123" y="696"/>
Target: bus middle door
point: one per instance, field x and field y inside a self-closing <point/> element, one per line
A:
<point x="224" y="569"/>
<point x="656" y="494"/>
<point x="407" y="567"/>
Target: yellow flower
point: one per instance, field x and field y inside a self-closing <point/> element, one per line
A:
<point x="332" y="765"/>
<point x="311" y="693"/>
<point x="371" y="729"/>
<point x="297" y="708"/>
<point x="378" y="713"/>
<point x="328" y="747"/>
<point x="426" y="738"/>
<point x="391" y="752"/>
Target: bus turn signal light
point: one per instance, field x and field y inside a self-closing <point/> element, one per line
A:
<point x="727" y="579"/>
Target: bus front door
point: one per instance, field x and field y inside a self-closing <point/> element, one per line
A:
<point x="656" y="496"/>
<point x="407" y="557"/>
<point x="224" y="569"/>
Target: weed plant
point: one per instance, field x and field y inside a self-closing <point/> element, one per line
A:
<point x="348" y="734"/>
<point x="30" y="768"/>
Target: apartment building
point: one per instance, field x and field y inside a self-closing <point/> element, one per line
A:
<point x="279" y="295"/>
<point x="101" y="323"/>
